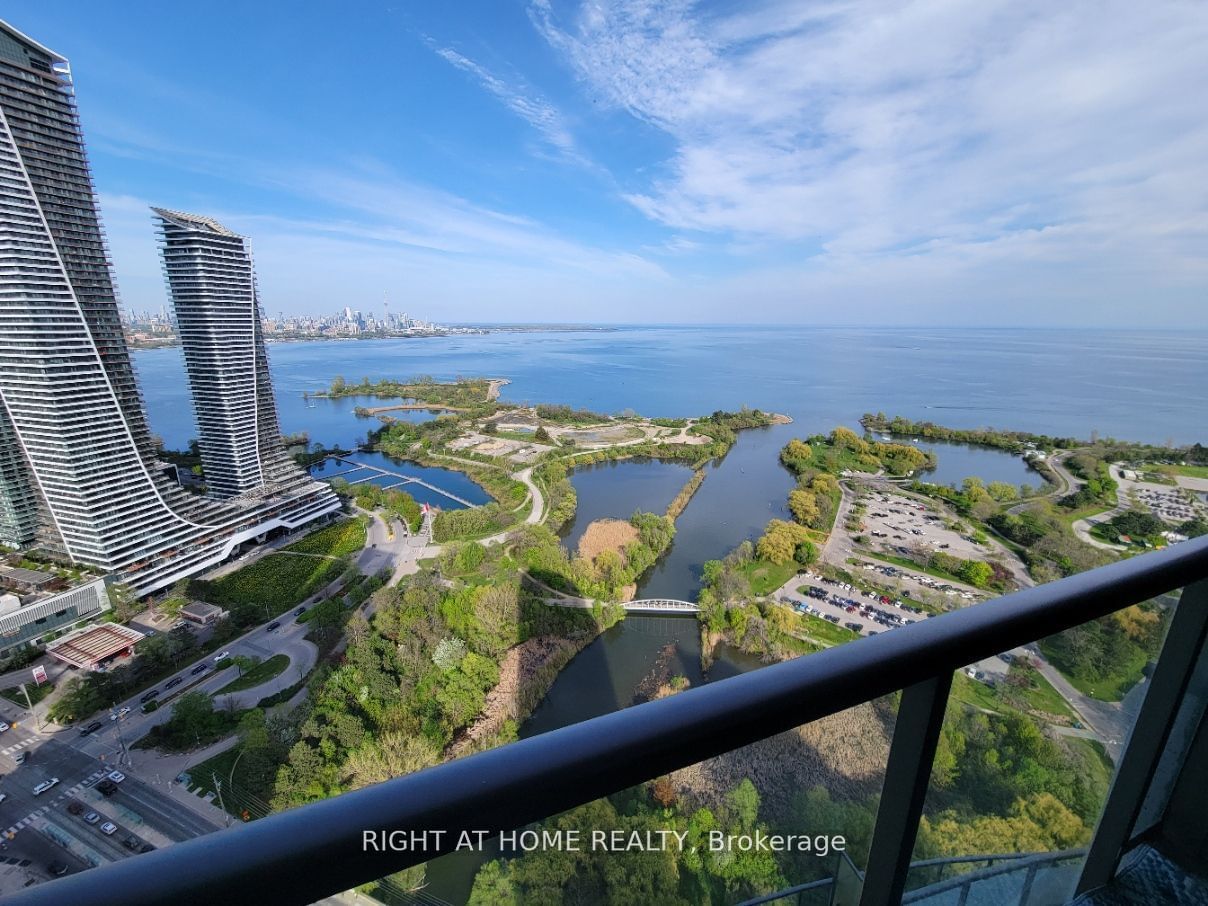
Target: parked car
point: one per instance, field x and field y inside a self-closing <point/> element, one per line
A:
<point x="57" y="868"/>
<point x="45" y="785"/>
<point x="174" y="682"/>
<point x="147" y="696"/>
<point x="108" y="828"/>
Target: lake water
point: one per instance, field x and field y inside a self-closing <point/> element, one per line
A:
<point x="956" y="462"/>
<point x="1139" y="385"/>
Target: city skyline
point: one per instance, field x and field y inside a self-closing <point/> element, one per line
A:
<point x="631" y="163"/>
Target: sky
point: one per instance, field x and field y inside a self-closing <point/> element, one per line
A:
<point x="999" y="163"/>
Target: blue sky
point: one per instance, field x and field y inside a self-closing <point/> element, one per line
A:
<point x="1005" y="162"/>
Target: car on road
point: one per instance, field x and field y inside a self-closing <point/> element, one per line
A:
<point x="200" y="668"/>
<point x="147" y="696"/>
<point x="91" y="728"/>
<point x="57" y="868"/>
<point x="174" y="682"/>
<point x="92" y="818"/>
<point x="119" y="714"/>
<point x="219" y="658"/>
<point x="107" y="787"/>
<point x="75" y="807"/>
<point x="4" y="726"/>
<point x="45" y="785"/>
<point x="274" y="626"/>
<point x="20" y="757"/>
<point x="3" y="796"/>
<point x="299" y="611"/>
<point x="132" y="843"/>
<point x="108" y="828"/>
<point x="117" y="776"/>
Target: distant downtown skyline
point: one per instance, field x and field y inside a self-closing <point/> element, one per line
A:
<point x="620" y="161"/>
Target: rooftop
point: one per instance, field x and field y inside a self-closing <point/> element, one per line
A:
<point x="89" y="646"/>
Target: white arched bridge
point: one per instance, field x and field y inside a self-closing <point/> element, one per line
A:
<point x="646" y="605"/>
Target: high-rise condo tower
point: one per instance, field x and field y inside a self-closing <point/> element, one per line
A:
<point x="78" y="468"/>
<point x="213" y="289"/>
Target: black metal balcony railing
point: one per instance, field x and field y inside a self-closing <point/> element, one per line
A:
<point x="313" y="851"/>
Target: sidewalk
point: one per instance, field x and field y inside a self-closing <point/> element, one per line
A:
<point x="160" y="771"/>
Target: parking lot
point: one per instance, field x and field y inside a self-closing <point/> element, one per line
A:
<point x="903" y="526"/>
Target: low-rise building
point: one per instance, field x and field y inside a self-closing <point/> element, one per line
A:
<point x="27" y="619"/>
<point x="202" y="614"/>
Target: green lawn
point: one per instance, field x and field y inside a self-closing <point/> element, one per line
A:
<point x="36" y="692"/>
<point x="261" y="673"/>
<point x="974" y="693"/>
<point x="765" y="577"/>
<point x="824" y="630"/>
<point x="1110" y="688"/>
<point x="1039" y="696"/>
<point x="337" y="540"/>
<point x="1188" y="471"/>
<point x="238" y="793"/>
<point x="907" y="563"/>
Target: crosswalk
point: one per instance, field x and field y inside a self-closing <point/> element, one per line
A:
<point x="9" y="750"/>
<point x="57" y="800"/>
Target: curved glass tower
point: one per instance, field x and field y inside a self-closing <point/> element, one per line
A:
<point x="78" y="471"/>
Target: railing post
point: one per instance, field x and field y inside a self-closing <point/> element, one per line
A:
<point x="1184" y="643"/>
<point x="907" y="777"/>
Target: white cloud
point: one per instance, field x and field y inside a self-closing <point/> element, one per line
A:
<point x="1023" y="133"/>
<point x="546" y="119"/>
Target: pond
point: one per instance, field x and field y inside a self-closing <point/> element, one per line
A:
<point x="956" y="462"/>
<point x="457" y="483"/>
<point x="616" y="490"/>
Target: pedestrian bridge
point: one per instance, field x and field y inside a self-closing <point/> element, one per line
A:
<point x="646" y="605"/>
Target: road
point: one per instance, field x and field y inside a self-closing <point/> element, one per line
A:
<point x="34" y="822"/>
<point x="289" y="640"/>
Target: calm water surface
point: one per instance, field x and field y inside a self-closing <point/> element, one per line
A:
<point x="616" y="490"/>
<point x="1141" y="385"/>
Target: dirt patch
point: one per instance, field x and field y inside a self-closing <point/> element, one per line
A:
<point x="606" y="535"/>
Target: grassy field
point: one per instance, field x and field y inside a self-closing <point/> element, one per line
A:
<point x="337" y="540"/>
<point x="974" y="693"/>
<point x="765" y="577"/>
<point x="824" y="630"/>
<point x="238" y="794"/>
<point x="907" y="563"/>
<point x="1114" y="687"/>
<point x="1039" y="696"/>
<point x="261" y="673"/>
<point x="36" y="693"/>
